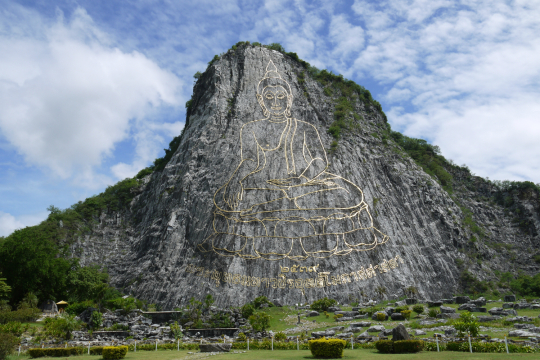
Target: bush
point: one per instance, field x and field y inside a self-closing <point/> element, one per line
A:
<point x="7" y="343"/>
<point x="14" y="328"/>
<point x="280" y="336"/>
<point x="418" y="308"/>
<point x="21" y="315"/>
<point x="247" y="310"/>
<point x="97" y="350"/>
<point x="433" y="313"/>
<point x="77" y="308"/>
<point x="381" y="316"/>
<point x="260" y="321"/>
<point x="261" y="300"/>
<point x="338" y="316"/>
<point x="385" y="346"/>
<point x="401" y="308"/>
<point x="114" y="352"/>
<point x="408" y="346"/>
<point x="96" y="320"/>
<point x="467" y="324"/>
<point x="242" y="337"/>
<point x="406" y="314"/>
<point x="62" y="326"/>
<point x="327" y="349"/>
<point x="323" y="304"/>
<point x="55" y="352"/>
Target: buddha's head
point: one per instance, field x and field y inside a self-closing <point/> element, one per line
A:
<point x="273" y="93"/>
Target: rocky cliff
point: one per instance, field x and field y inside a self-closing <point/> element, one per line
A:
<point x="315" y="201"/>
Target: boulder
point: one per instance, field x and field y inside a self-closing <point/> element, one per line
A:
<point x="313" y="313"/>
<point x="417" y="332"/>
<point x="508" y="306"/>
<point x="487" y="318"/>
<point x="400" y="333"/>
<point x="376" y="328"/>
<point x="390" y="310"/>
<point x="447" y="310"/>
<point x="361" y="324"/>
<point x="401" y="303"/>
<point x="522" y="306"/>
<point x="347" y="313"/>
<point x="481" y="301"/>
<point x="345" y="335"/>
<point x="523" y="326"/>
<point x="375" y="317"/>
<point x="397" y="316"/>
<point x="363" y="335"/>
<point x="449" y="332"/>
<point x="332" y="309"/>
<point x="361" y="316"/>
<point x="277" y="302"/>
<point x="344" y="319"/>
<point x="520" y="333"/>
<point x="535" y="306"/>
<point x="461" y="299"/>
<point x="336" y="328"/>
<point x="215" y="347"/>
<point x="467" y="306"/>
<point x="319" y="334"/>
<point x="509" y="298"/>
<point x="435" y="303"/>
<point x="448" y="301"/>
<point x="448" y="316"/>
<point x="519" y="318"/>
<point x="411" y="301"/>
<point x="86" y="314"/>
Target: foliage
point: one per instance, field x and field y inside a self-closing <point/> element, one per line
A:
<point x="401" y="308"/>
<point x="418" y="308"/>
<point x="327" y="349"/>
<point x="242" y="337"/>
<point x="526" y="285"/>
<point x="280" y="336"/>
<point x="160" y="163"/>
<point x="176" y="330"/>
<point x="323" y="304"/>
<point x="260" y="321"/>
<point x="114" y="352"/>
<point x="118" y="327"/>
<point x="61" y="326"/>
<point x="96" y="320"/>
<point x="21" y="315"/>
<point x="381" y="316"/>
<point x="276" y="47"/>
<point x="78" y="307"/>
<point x="7" y="343"/>
<point x="126" y="304"/>
<point x="408" y="346"/>
<point x="170" y="346"/>
<point x="427" y="156"/>
<point x="87" y="283"/>
<point x="433" y="312"/>
<point x="5" y="289"/>
<point x="470" y="284"/>
<point x="29" y="301"/>
<point x="338" y="316"/>
<point x="467" y="324"/>
<point x="144" y="172"/>
<point x="479" y="347"/>
<point x="55" y="352"/>
<point x="221" y="320"/>
<point x="406" y="314"/>
<point x="261" y="300"/>
<point x="247" y="310"/>
<point x="385" y="346"/>
<point x="14" y="328"/>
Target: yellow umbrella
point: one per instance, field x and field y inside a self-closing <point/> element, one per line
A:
<point x="62" y="303"/>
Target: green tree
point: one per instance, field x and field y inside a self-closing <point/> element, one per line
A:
<point x="418" y="308"/>
<point x="260" y="321"/>
<point x="87" y="283"/>
<point x="467" y="324"/>
<point x="96" y="320"/>
<point x="62" y="326"/>
<point x="29" y="301"/>
<point x="5" y="289"/>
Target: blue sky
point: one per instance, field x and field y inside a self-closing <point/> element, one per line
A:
<point x="92" y="91"/>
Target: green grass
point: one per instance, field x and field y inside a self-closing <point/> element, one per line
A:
<point x="364" y="354"/>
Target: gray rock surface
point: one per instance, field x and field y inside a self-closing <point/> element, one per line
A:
<point x="215" y="347"/>
<point x="509" y="298"/>
<point x="400" y="333"/>
<point x="151" y="248"/>
<point x="447" y="310"/>
<point x="397" y="316"/>
<point x="376" y="328"/>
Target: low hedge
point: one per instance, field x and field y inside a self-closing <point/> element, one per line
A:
<point x="114" y="352"/>
<point x="478" y="347"/>
<point x="7" y="343"/>
<point x="408" y="346"/>
<point x="385" y="346"/>
<point x="55" y="352"/>
<point x="96" y="350"/>
<point x="327" y="349"/>
<point x="399" y="347"/>
<point x="171" y="346"/>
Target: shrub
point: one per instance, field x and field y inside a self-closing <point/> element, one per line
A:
<point x="419" y="309"/>
<point x="242" y="337"/>
<point x="381" y="316"/>
<point x="260" y="321"/>
<point x="280" y="336"/>
<point x="55" y="352"/>
<point x="323" y="304"/>
<point x="247" y="310"/>
<point x="62" y="326"/>
<point x="114" y="352"/>
<point x="467" y="324"/>
<point x="337" y="316"/>
<point x="406" y="314"/>
<point x="176" y="330"/>
<point x="7" y="343"/>
<point x="385" y="346"/>
<point x="401" y="308"/>
<point x="21" y="315"/>
<point x="96" y="320"/>
<point x="327" y="349"/>
<point x="408" y="346"/>
<point x="261" y="300"/>
<point x="14" y="328"/>
<point x="433" y="313"/>
<point x="98" y="350"/>
<point x="77" y="308"/>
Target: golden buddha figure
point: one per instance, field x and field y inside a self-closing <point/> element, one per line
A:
<point x="281" y="201"/>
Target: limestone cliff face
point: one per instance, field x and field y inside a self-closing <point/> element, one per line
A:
<point x="171" y="244"/>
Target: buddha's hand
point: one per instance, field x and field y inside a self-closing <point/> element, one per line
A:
<point x="292" y="181"/>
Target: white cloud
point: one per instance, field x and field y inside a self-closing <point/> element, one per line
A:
<point x="67" y="97"/>
<point x="10" y="223"/>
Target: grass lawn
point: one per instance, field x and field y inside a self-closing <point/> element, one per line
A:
<point x="364" y="354"/>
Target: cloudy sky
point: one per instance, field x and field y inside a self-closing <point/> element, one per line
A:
<point x="92" y="91"/>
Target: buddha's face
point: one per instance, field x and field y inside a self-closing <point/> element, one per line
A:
<point x="275" y="99"/>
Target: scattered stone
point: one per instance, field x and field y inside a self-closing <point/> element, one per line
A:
<point x="345" y="335"/>
<point x="522" y="306"/>
<point x="508" y="306"/>
<point x="448" y="301"/>
<point x="347" y="313"/>
<point x="313" y="313"/>
<point x="397" y="316"/>
<point x="467" y="306"/>
<point x="418" y="332"/>
<point x="520" y="333"/>
<point x="319" y="334"/>
<point x="411" y="301"/>
<point x="277" y="302"/>
<point x="448" y="316"/>
<point x="344" y="319"/>
<point x="487" y="318"/>
<point x="509" y="298"/>
<point x="435" y="303"/>
<point x="375" y="317"/>
<point x="400" y="333"/>
<point x="401" y="303"/>
<point x="362" y="324"/>
<point x="461" y="299"/>
<point x="447" y="310"/>
<point x="376" y="328"/>
<point x="449" y="332"/>
<point x="332" y="309"/>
